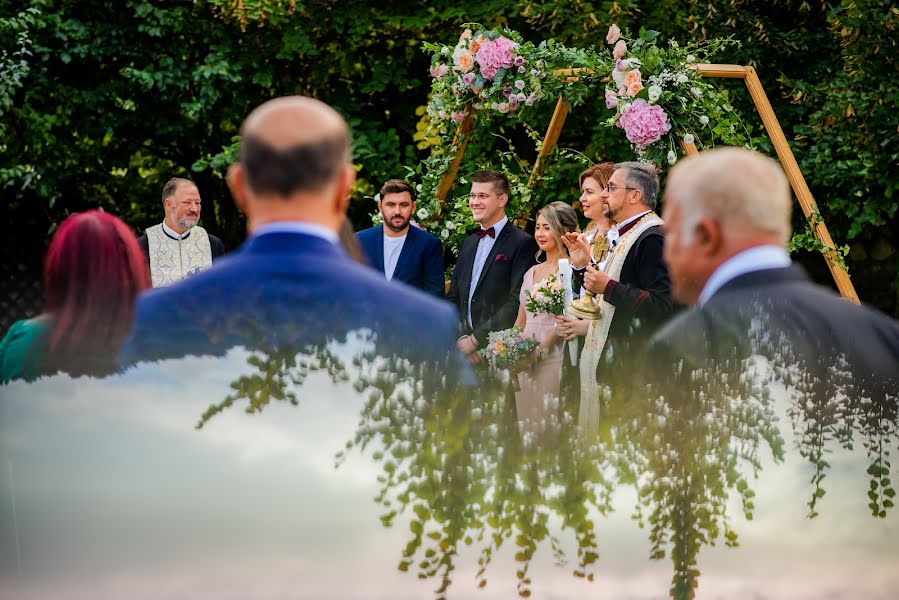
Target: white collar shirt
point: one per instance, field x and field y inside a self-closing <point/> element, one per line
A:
<point x="759" y="258"/>
<point x="485" y="245"/>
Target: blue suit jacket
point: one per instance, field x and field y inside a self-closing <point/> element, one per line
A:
<point x="420" y="263"/>
<point x="287" y="290"/>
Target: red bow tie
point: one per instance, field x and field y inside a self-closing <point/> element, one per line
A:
<point x="482" y="232"/>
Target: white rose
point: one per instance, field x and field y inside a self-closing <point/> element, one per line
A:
<point x="689" y="139"/>
<point x="703" y="120"/>
<point x="450" y="225"/>
<point x="691" y="58"/>
<point x="672" y="157"/>
<point x="422" y="214"/>
<point x="655" y="92"/>
<point x="619" y="77"/>
<point x="444" y="234"/>
<point x="682" y="78"/>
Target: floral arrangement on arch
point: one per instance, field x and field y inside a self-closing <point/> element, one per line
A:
<point x="497" y="74"/>
<point x="657" y="94"/>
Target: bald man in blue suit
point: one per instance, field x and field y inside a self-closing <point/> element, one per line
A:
<point x="290" y="285"/>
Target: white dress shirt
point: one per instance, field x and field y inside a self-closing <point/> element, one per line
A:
<point x="174" y="234"/>
<point x="759" y="258"/>
<point x="485" y="245"/>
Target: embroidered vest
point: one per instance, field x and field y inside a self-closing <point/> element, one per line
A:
<point x="173" y="260"/>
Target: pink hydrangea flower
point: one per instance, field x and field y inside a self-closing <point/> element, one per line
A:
<point x="458" y="116"/>
<point x="494" y="55"/>
<point x="619" y="50"/>
<point x="613" y="35"/>
<point x="644" y="123"/>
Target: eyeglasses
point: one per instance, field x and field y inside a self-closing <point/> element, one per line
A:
<point x="481" y="197"/>
<point x="611" y="188"/>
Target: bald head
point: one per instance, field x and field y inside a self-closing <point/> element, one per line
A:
<point x="293" y="144"/>
<point x="745" y="191"/>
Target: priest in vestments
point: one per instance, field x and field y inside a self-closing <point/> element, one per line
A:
<point x="178" y="247"/>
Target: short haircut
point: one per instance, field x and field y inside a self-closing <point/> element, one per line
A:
<point x="397" y="186"/>
<point x="742" y="189"/>
<point x="600" y="172"/>
<point x="497" y="178"/>
<point x="171" y="186"/>
<point x="643" y="177"/>
<point x="305" y="167"/>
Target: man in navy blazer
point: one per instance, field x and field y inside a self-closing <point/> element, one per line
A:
<point x="291" y="285"/>
<point x="727" y="220"/>
<point x="400" y="251"/>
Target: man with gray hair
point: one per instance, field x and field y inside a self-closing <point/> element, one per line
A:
<point x="178" y="247"/>
<point x="632" y="280"/>
<point x="727" y="222"/>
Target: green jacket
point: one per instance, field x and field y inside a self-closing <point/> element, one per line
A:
<point x="23" y="348"/>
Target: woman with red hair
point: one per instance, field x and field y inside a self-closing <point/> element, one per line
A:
<point x="93" y="272"/>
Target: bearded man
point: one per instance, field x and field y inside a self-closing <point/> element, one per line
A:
<point x="399" y="250"/>
<point x="178" y="247"/>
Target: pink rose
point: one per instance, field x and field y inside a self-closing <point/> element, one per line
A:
<point x="463" y="59"/>
<point x="634" y="88"/>
<point x="613" y="35"/>
<point x="619" y="50"/>
<point x="611" y="99"/>
<point x="458" y="116"/>
<point x="494" y="55"/>
<point x="644" y="123"/>
<point x="439" y="70"/>
<point x="633" y="77"/>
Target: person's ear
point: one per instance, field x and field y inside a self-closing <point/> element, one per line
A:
<point x="236" y="179"/>
<point x="503" y="200"/>
<point x="709" y="236"/>
<point x="345" y="180"/>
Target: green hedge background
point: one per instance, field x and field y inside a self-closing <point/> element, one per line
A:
<point x="101" y="102"/>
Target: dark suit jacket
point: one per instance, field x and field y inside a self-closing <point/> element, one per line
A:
<point x="287" y="289"/>
<point x="215" y="245"/>
<point x="494" y="305"/>
<point x="420" y="262"/>
<point x="781" y="314"/>
<point x="642" y="294"/>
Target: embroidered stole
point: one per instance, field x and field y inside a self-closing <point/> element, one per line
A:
<point x="598" y="333"/>
<point x="173" y="260"/>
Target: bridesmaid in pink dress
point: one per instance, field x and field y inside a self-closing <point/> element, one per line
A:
<point x="539" y="383"/>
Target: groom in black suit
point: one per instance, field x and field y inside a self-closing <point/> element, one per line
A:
<point x="727" y="221"/>
<point x="491" y="265"/>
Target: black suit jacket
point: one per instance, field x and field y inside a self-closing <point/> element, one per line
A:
<point x="642" y="294"/>
<point x="494" y="305"/>
<point x="797" y="325"/>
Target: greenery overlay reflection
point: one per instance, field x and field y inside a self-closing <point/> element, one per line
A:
<point x="466" y="473"/>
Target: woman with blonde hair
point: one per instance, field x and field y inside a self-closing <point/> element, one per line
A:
<point x="542" y="379"/>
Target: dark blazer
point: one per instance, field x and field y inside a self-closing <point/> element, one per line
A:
<point x="781" y="314"/>
<point x="287" y="289"/>
<point x="420" y="262"/>
<point x="642" y="294"/>
<point x="494" y="305"/>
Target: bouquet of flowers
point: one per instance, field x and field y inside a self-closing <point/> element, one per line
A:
<point x="658" y="95"/>
<point x="507" y="347"/>
<point x="547" y="296"/>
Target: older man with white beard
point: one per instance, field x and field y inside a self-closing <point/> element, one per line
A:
<point x="178" y="247"/>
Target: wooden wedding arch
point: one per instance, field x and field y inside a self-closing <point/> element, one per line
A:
<point x="772" y="126"/>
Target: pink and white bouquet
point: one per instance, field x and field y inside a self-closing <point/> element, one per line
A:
<point x="508" y="347"/>
<point x="546" y="296"/>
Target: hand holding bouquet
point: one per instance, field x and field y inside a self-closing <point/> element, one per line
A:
<point x="547" y="296"/>
<point x="507" y="348"/>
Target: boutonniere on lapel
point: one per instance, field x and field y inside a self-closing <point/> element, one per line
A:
<point x="501" y="258"/>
